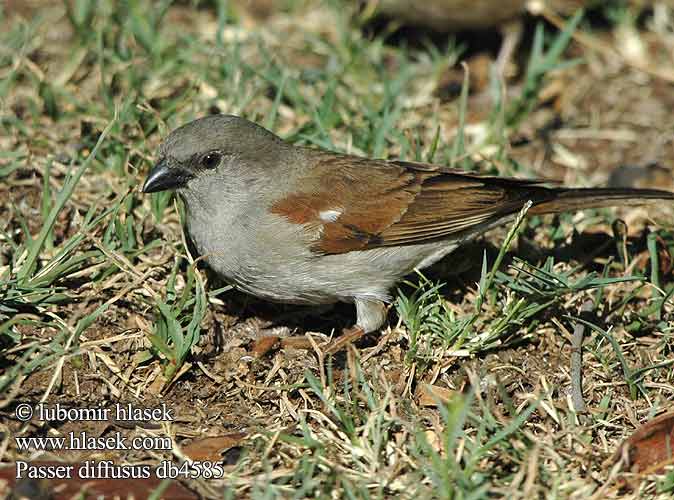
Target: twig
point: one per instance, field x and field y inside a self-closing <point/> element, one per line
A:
<point x="577" y="360"/>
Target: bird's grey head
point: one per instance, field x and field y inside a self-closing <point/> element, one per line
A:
<point x="213" y="153"/>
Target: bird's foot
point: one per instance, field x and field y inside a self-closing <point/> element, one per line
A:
<point x="349" y="336"/>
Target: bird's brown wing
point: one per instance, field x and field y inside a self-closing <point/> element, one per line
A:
<point x="449" y="202"/>
<point x="350" y="203"/>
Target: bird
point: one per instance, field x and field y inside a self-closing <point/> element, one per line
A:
<point x="461" y="15"/>
<point x="451" y="16"/>
<point x="303" y="225"/>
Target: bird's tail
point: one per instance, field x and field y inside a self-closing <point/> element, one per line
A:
<point x="568" y="200"/>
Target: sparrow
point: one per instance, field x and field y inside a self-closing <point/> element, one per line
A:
<point x="301" y="225"/>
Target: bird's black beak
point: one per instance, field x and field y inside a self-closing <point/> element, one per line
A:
<point x="164" y="176"/>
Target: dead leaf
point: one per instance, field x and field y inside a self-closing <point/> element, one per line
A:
<point x="649" y="448"/>
<point x="212" y="448"/>
<point x="296" y="343"/>
<point x="264" y="345"/>
<point x="431" y="395"/>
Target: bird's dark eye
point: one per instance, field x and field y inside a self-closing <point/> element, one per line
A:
<point x="211" y="160"/>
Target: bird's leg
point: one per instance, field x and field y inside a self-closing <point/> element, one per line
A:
<point x="348" y="336"/>
<point x="370" y="315"/>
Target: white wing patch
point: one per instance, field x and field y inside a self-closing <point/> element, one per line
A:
<point x="329" y="215"/>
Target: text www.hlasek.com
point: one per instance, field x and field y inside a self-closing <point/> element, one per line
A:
<point x="82" y="441"/>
